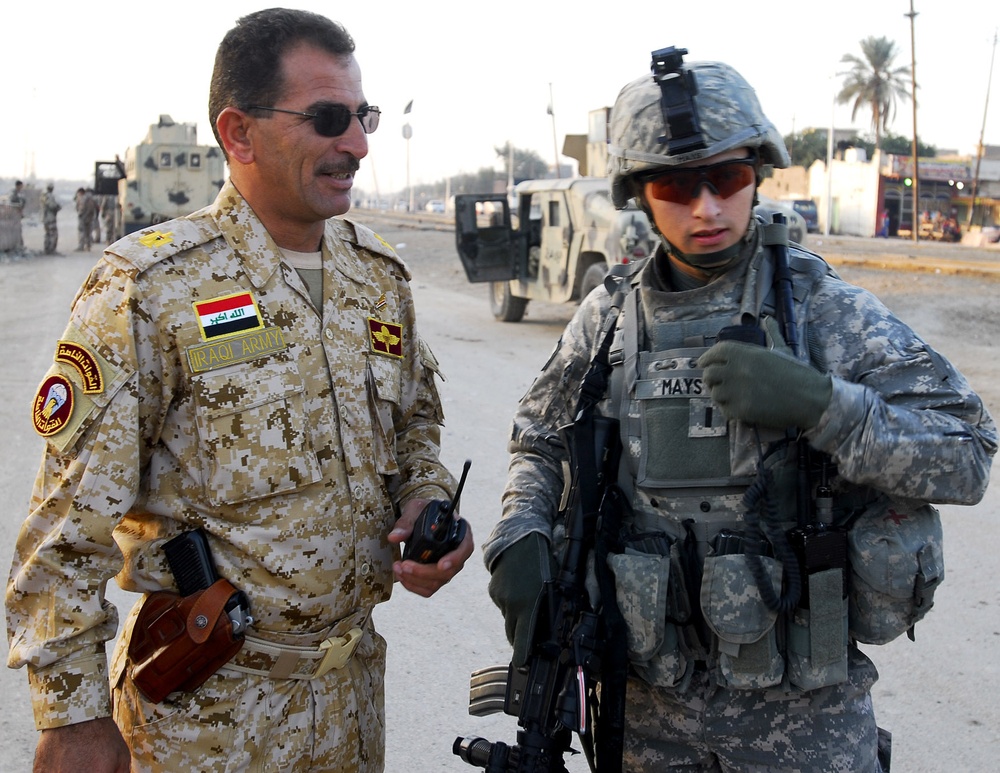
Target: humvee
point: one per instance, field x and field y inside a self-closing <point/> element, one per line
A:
<point x="556" y="247"/>
<point x="165" y="176"/>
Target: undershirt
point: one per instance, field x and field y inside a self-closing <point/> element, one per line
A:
<point x="309" y="266"/>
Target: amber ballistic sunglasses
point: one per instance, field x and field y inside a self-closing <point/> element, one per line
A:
<point x="681" y="186"/>
<point x="332" y="120"/>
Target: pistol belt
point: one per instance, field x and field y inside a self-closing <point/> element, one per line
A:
<point x="281" y="660"/>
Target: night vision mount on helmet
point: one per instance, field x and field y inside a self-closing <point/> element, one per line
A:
<point x="685" y="112"/>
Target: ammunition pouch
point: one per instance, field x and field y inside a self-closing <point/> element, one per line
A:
<point x="744" y="626"/>
<point x="178" y="642"/>
<point x="897" y="562"/>
<point x="651" y="594"/>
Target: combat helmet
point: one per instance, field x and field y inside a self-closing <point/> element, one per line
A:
<point x="684" y="112"/>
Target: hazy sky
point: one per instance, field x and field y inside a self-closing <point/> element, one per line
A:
<point x="84" y="81"/>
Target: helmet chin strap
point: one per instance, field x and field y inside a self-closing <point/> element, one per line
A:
<point x="711" y="262"/>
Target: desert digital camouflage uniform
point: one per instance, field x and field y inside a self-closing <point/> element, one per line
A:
<point x="17" y="201"/>
<point x="208" y="392"/>
<point x="86" y="218"/>
<point x="50" y="208"/>
<point x="109" y="210"/>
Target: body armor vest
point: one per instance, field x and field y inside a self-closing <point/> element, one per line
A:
<point x="688" y="584"/>
<point x="683" y="462"/>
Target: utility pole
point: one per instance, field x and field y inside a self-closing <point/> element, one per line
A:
<point x="982" y="132"/>
<point x="555" y="146"/>
<point x="916" y="168"/>
<point x="827" y="226"/>
<point x="407" y="134"/>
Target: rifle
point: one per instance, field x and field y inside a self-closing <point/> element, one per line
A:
<point x="573" y="645"/>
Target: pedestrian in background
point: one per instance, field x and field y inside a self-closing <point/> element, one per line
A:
<point x="253" y="371"/>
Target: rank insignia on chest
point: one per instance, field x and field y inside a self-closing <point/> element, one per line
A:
<point x="227" y="315"/>
<point x="385" y="337"/>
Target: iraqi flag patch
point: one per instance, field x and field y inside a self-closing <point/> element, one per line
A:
<point x="228" y="315"/>
<point x="385" y="337"/>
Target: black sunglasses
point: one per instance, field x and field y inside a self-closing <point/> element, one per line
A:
<point x="681" y="186"/>
<point x="333" y="120"/>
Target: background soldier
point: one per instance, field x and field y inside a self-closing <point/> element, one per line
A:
<point x="770" y="416"/>
<point x="253" y="370"/>
<point x="17" y="201"/>
<point x="50" y="207"/>
<point x="109" y="212"/>
<point x="98" y="201"/>
<point x="86" y="216"/>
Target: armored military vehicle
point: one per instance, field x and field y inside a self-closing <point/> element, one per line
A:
<point x="559" y="243"/>
<point x="556" y="247"/>
<point x="167" y="175"/>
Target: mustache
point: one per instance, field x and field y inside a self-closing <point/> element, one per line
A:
<point x="348" y="166"/>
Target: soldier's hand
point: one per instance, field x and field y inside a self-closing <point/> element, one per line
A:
<point x="426" y="579"/>
<point x="95" y="746"/>
<point x="515" y="585"/>
<point x="766" y="386"/>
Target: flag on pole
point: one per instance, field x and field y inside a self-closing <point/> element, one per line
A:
<point x="409" y="106"/>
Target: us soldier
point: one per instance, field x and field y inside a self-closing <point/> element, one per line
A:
<point x="254" y="370"/>
<point x="50" y="208"/>
<point x="732" y="569"/>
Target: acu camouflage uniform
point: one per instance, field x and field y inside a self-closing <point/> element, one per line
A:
<point x="293" y="440"/>
<point x="902" y="422"/>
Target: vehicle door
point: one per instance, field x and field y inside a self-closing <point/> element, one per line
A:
<point x="487" y="244"/>
<point x="556" y="231"/>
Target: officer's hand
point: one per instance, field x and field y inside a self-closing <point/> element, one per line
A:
<point x="95" y="746"/>
<point x="515" y="586"/>
<point x="426" y="579"/>
<point x="766" y="386"/>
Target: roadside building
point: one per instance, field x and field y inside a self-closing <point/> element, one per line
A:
<point x="852" y="198"/>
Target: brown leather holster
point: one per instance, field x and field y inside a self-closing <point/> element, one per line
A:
<point x="178" y="642"/>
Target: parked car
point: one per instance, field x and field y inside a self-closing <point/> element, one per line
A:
<point x="806" y="208"/>
<point x="435" y="206"/>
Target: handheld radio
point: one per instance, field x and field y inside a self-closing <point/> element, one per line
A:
<point x="437" y="530"/>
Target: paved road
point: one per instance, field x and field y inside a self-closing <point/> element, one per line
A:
<point x="939" y="695"/>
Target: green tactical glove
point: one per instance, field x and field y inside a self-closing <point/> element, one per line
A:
<point x="766" y="386"/>
<point x="515" y="585"/>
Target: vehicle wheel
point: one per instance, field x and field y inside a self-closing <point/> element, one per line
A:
<point x="593" y="277"/>
<point x="506" y="307"/>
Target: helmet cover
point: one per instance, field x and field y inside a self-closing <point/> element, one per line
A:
<point x="728" y="114"/>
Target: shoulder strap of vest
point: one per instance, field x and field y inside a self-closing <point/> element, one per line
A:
<point x="595" y="383"/>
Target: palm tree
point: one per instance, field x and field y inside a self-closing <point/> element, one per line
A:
<point x="874" y="83"/>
